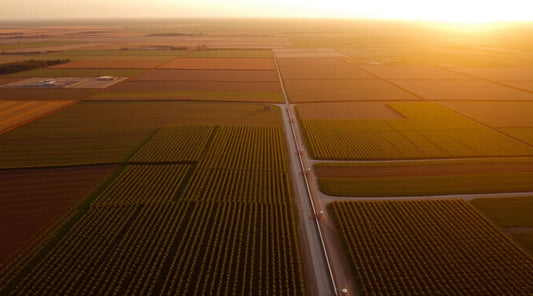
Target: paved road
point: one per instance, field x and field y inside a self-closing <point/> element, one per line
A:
<point x="316" y="264"/>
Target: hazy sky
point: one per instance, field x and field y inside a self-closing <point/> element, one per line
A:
<point x="448" y="10"/>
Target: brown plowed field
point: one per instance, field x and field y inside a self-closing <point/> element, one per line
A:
<point x="462" y="90"/>
<point x="282" y="62"/>
<point x="412" y="72"/>
<point x="117" y="64"/>
<point x="13" y="113"/>
<point x="208" y="75"/>
<point x="300" y="91"/>
<point x="197" y="85"/>
<point x="526" y="85"/>
<point x="48" y="94"/>
<point x="220" y="64"/>
<point x="334" y="70"/>
<point x="356" y="110"/>
<point x="421" y="170"/>
<point x="499" y="73"/>
<point x="496" y="114"/>
<point x="9" y="80"/>
<point x="33" y="199"/>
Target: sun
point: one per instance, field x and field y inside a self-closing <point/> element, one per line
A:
<point x="456" y="11"/>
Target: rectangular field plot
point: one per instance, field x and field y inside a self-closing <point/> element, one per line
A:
<point x="507" y="211"/>
<point x="523" y="85"/>
<point x="524" y="134"/>
<point x="496" y="114"/>
<point x="427" y="178"/>
<point x="118" y="64"/>
<point x="14" y="113"/>
<point x="135" y="86"/>
<point x="469" y="90"/>
<point x="209" y="76"/>
<point x="176" y="143"/>
<point x="8" y="80"/>
<point x="347" y="110"/>
<point x="186" y="243"/>
<point x="442" y="247"/>
<point x="301" y="91"/>
<point x="319" y="68"/>
<point x="500" y="74"/>
<point x="45" y="94"/>
<point x="34" y="200"/>
<point x="228" y="53"/>
<point x="225" y="217"/>
<point x="107" y="132"/>
<point x="422" y="72"/>
<point x="183" y="95"/>
<point x="143" y="185"/>
<point x="429" y="131"/>
<point x="48" y="72"/>
<point x="220" y="64"/>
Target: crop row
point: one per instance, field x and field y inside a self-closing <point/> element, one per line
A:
<point x="141" y="184"/>
<point x="174" y="249"/>
<point x="177" y="228"/>
<point x="238" y="186"/>
<point x="441" y="247"/>
<point x="358" y="139"/>
<point x="175" y="143"/>
<point x="254" y="148"/>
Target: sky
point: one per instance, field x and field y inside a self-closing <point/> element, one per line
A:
<point x="439" y="10"/>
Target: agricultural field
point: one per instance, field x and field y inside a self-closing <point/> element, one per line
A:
<point x="209" y="76"/>
<point x="468" y="90"/>
<point x="176" y="95"/>
<point x="49" y="72"/>
<point x="45" y="94"/>
<point x="182" y="178"/>
<point x="441" y="247"/>
<point x="523" y="134"/>
<point x="410" y="178"/>
<point x="500" y="74"/>
<point x="245" y="245"/>
<point x="201" y="86"/>
<point x="421" y="72"/>
<point x="496" y="114"/>
<point x="309" y="91"/>
<point x="91" y="132"/>
<point x="118" y="64"/>
<point x="220" y="64"/>
<point x="428" y="131"/>
<point x="34" y="200"/>
<point x="8" y="80"/>
<point x="319" y="68"/>
<point x="348" y="110"/>
<point x="15" y="113"/>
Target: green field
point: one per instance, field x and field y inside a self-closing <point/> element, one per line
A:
<point x="525" y="238"/>
<point x="21" y="45"/>
<point x="46" y="72"/>
<point x="427" y="185"/>
<point x="437" y="247"/>
<point x="106" y="132"/>
<point x="513" y="212"/>
<point x="428" y="131"/>
<point x="507" y="212"/>
<point x="228" y="53"/>
<point x="412" y="178"/>
<point x="257" y="97"/>
<point x="145" y="232"/>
